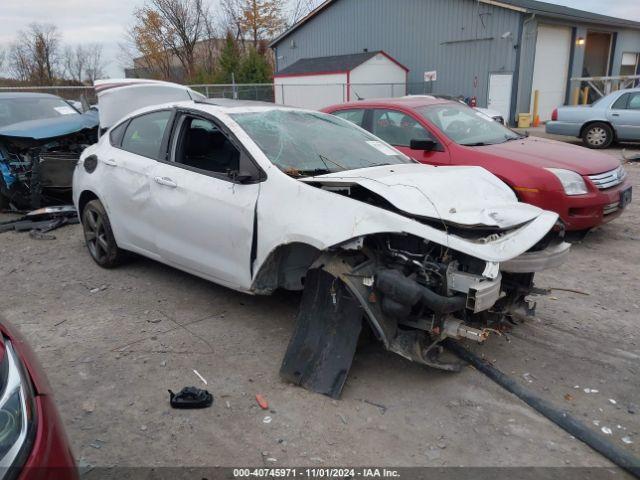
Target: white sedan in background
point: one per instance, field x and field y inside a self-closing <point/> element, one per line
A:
<point x="260" y="197"/>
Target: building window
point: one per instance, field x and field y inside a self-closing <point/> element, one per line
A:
<point x="629" y="64"/>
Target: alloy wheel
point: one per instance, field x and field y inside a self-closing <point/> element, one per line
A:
<point x="95" y="235"/>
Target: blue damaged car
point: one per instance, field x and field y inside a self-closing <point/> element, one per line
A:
<point x="41" y="138"/>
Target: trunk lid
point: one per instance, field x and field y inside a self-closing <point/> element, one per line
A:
<point x="117" y="98"/>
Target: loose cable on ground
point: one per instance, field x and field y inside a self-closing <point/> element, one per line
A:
<point x="563" y="419"/>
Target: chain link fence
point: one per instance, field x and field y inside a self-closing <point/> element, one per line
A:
<point x="295" y="94"/>
<point x="75" y="93"/>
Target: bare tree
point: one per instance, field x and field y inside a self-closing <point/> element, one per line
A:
<point x="146" y="38"/>
<point x="300" y="9"/>
<point x="186" y="22"/>
<point x="35" y="54"/>
<point x="19" y="62"/>
<point x="3" y="55"/>
<point x="75" y="62"/>
<point x="232" y="13"/>
<point x="94" y="68"/>
<point x="208" y="55"/>
<point x="165" y="28"/>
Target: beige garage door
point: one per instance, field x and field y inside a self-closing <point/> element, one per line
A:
<point x="551" y="68"/>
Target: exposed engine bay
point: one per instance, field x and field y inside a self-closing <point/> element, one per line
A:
<point x="36" y="173"/>
<point x="414" y="293"/>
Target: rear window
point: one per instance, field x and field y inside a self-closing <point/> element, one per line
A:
<point x="621" y="103"/>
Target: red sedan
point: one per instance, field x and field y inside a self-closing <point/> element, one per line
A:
<point x="33" y="444"/>
<point x="586" y="188"/>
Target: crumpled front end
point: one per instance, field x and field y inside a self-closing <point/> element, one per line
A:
<point x="34" y="173"/>
<point x="414" y="294"/>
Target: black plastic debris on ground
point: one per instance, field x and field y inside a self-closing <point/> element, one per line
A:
<point x="41" y="221"/>
<point x="190" y="397"/>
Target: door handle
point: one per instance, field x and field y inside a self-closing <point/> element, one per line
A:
<point x="615" y="114"/>
<point x="110" y="161"/>
<point x="166" y="181"/>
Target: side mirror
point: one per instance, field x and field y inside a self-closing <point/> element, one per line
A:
<point x="240" y="176"/>
<point x="426" y="145"/>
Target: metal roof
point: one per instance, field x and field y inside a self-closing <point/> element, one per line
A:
<point x="332" y="64"/>
<point x="530" y="6"/>
<point x="568" y="13"/>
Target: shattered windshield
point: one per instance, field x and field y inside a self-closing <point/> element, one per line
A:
<point x="15" y="110"/>
<point x="466" y="126"/>
<point x="307" y="143"/>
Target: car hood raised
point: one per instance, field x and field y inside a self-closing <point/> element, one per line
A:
<point x="546" y="153"/>
<point x="466" y="196"/>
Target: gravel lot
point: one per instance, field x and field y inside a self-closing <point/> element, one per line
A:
<point x="111" y="355"/>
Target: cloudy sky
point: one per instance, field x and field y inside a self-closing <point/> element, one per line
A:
<point x="105" y="21"/>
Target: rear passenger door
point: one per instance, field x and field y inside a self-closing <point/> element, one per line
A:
<point x="625" y="116"/>
<point x="398" y="129"/>
<point x="204" y="202"/>
<point x="138" y="144"/>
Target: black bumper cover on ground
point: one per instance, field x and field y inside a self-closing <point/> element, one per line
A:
<point x="324" y="342"/>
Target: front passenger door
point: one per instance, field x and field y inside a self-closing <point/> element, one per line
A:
<point x="205" y="200"/>
<point x="398" y="129"/>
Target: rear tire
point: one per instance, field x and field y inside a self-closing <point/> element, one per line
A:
<point x="99" y="237"/>
<point x="597" y="135"/>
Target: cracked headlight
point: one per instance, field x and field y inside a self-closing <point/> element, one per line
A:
<point x="572" y="182"/>
<point x="17" y="415"/>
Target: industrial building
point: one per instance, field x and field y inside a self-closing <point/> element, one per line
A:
<point x="499" y="52"/>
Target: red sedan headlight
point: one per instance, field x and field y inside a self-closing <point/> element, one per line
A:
<point x="17" y="410"/>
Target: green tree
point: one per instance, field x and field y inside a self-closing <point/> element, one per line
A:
<point x="229" y="61"/>
<point x="254" y="68"/>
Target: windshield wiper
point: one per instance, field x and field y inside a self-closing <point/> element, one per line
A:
<point x="477" y="144"/>
<point x="314" y="172"/>
<point x="518" y="137"/>
<point x="376" y="165"/>
<point x="326" y="159"/>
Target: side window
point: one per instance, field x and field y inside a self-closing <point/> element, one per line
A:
<point x="620" y="103"/>
<point x="202" y="145"/>
<point x="115" y="137"/>
<point x="144" y="134"/>
<point x="634" y="102"/>
<point x="397" y="128"/>
<point x="353" y="116"/>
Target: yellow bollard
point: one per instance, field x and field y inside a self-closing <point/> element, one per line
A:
<point x="585" y="95"/>
<point x="536" y="101"/>
<point x="575" y="97"/>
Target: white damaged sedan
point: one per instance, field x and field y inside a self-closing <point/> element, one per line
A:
<point x="261" y="197"/>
